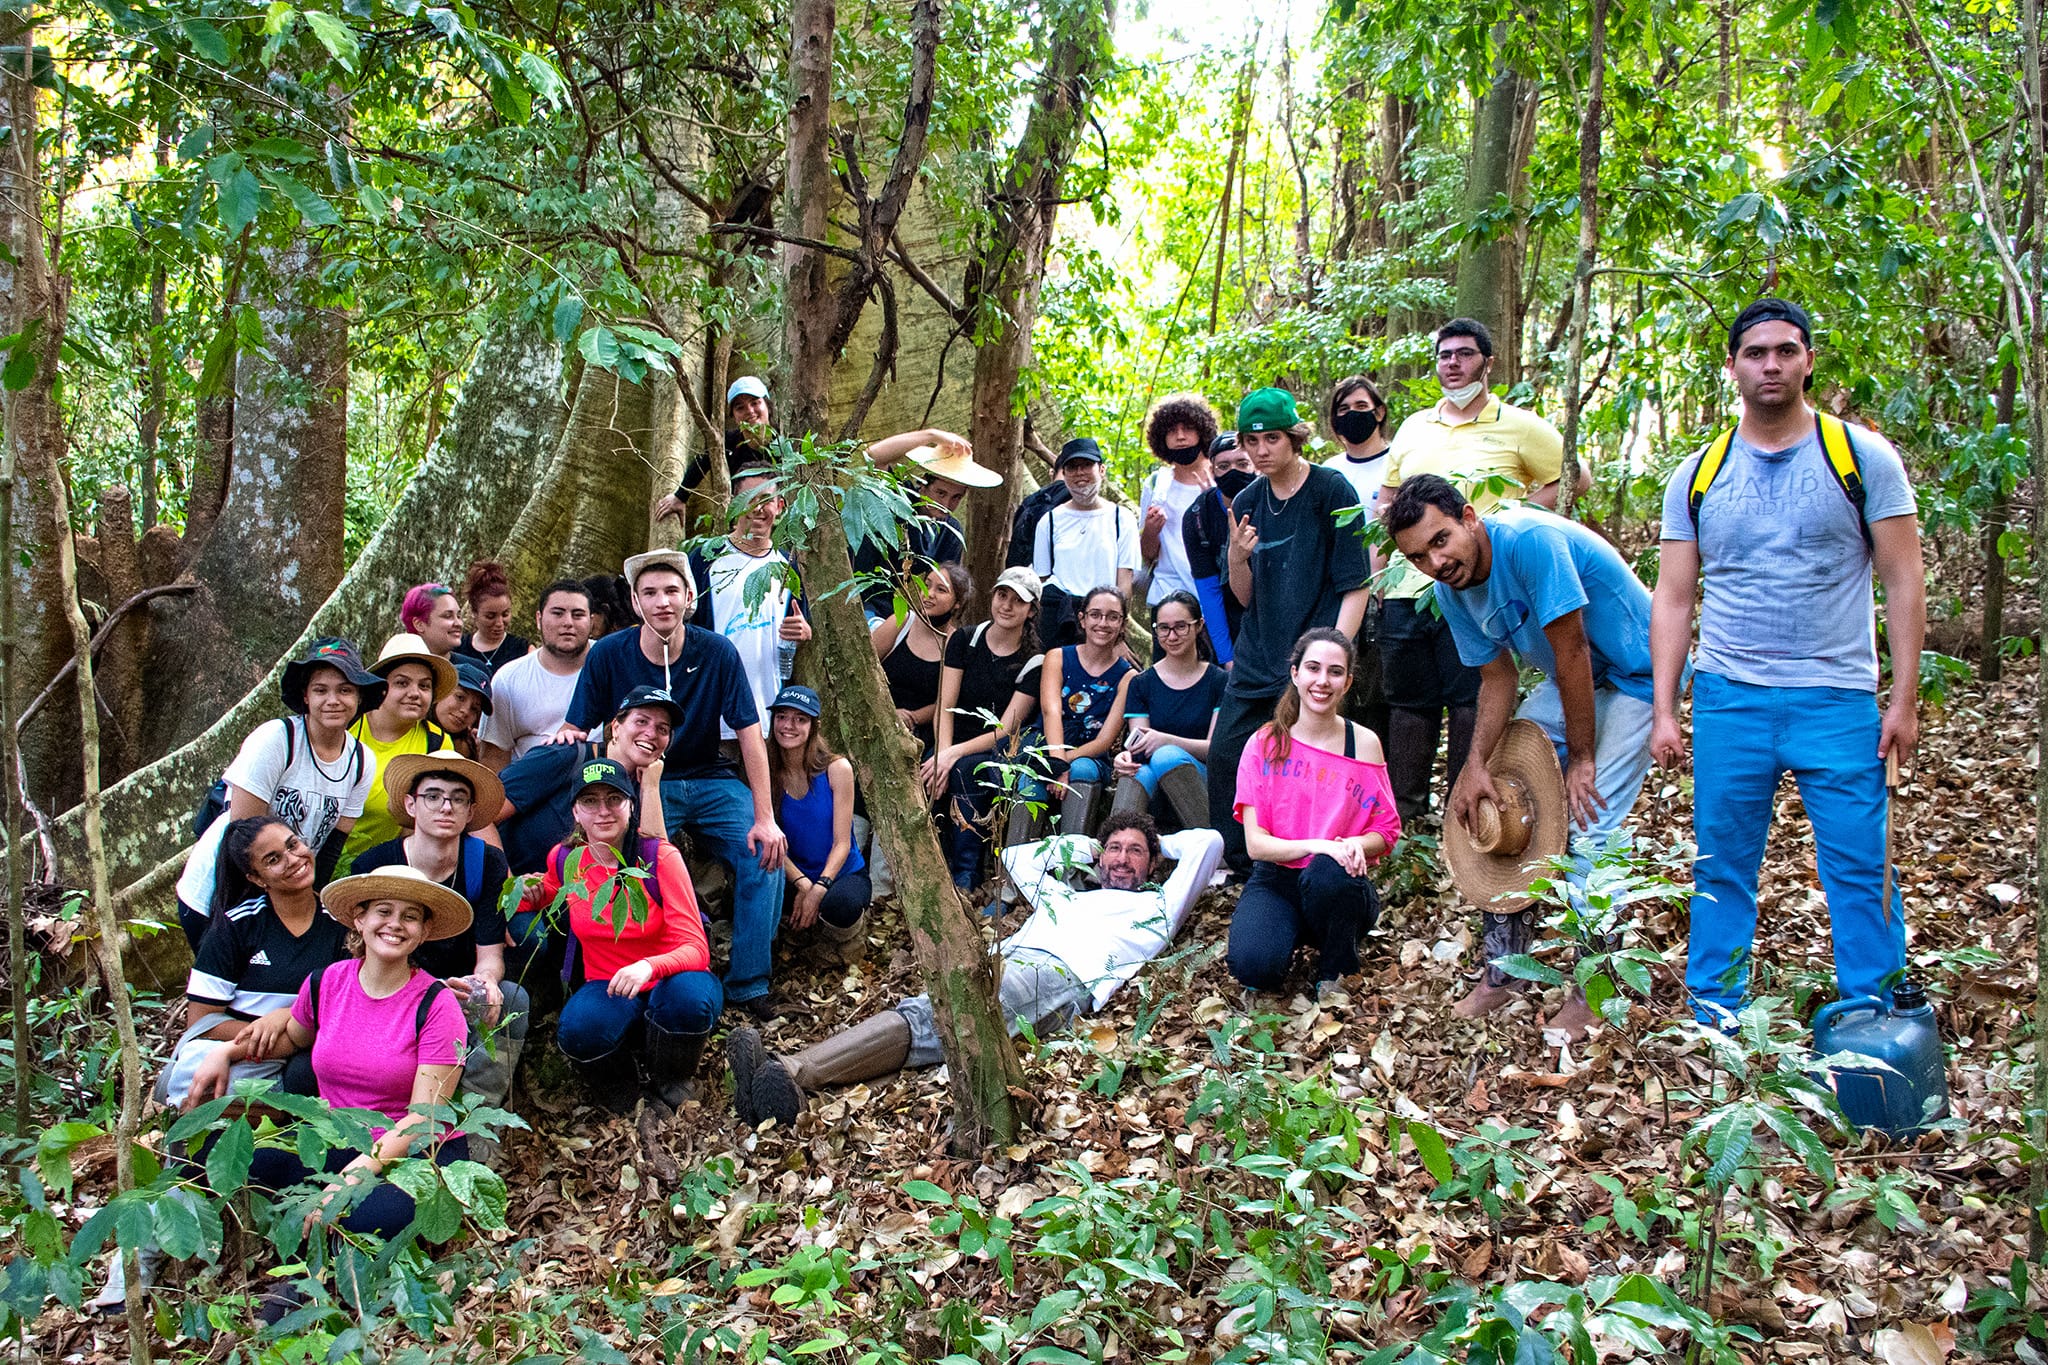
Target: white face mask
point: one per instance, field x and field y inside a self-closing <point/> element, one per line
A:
<point x="1458" y="398"/>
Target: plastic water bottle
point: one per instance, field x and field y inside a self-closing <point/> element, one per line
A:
<point x="785" y="650"/>
<point x="1904" y="1038"/>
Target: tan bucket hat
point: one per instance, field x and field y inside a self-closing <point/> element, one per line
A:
<point x="1493" y="863"/>
<point x="405" y="648"/>
<point x="674" y="560"/>
<point x="448" y="909"/>
<point x="401" y="772"/>
<point x="955" y="463"/>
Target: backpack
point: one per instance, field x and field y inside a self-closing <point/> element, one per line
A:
<point x="419" y="1018"/>
<point x="1024" y="522"/>
<point x="1834" y="442"/>
<point x="558" y="863"/>
<point x="215" y="801"/>
<point x="1058" y="609"/>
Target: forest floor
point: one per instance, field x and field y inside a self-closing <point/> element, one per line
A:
<point x="1131" y="1123"/>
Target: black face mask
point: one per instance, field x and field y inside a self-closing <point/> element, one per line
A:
<point x="1231" y="482"/>
<point x="1355" y="427"/>
<point x="1185" y="454"/>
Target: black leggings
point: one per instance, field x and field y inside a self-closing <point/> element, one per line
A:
<point x="1320" y="905"/>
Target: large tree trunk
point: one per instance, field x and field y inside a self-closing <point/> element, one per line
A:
<point x="1489" y="270"/>
<point x="1012" y="267"/>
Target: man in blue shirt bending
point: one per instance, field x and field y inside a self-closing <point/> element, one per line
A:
<point x="1524" y="583"/>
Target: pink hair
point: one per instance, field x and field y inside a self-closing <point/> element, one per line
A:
<point x="419" y="605"/>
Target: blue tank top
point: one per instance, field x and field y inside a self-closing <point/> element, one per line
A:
<point x="807" y="822"/>
<point x="1086" y="699"/>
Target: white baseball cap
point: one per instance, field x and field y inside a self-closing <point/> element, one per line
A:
<point x="746" y="386"/>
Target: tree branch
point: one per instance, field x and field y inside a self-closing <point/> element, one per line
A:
<point x="99" y="638"/>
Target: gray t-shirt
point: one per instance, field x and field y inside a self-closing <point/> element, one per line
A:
<point x="1788" y="597"/>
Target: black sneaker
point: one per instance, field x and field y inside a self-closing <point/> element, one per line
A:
<point x="743" y="1052"/>
<point x="765" y="1009"/>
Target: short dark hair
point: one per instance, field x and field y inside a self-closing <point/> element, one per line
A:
<point x="1468" y="327"/>
<point x="1137" y="820"/>
<point x="446" y="775"/>
<point x="1350" y="384"/>
<point x="1189" y="410"/>
<point x="1416" y="495"/>
<point x="568" y="585"/>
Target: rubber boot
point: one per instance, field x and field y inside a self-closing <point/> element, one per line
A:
<point x="1185" y="791"/>
<point x="613" y="1080"/>
<point x="1131" y="796"/>
<point x="876" y="1046"/>
<point x="487" y="1071"/>
<point x="113" y="1296"/>
<point x="1018" y="829"/>
<point x="843" y="943"/>
<point x="1504" y="936"/>
<point x="672" y="1060"/>
<point x="744" y="1054"/>
<point x="1075" y="806"/>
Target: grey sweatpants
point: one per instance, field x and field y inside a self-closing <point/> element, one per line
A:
<point x="1037" y="989"/>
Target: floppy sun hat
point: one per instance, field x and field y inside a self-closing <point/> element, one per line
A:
<point x="956" y="464"/>
<point x="411" y="649"/>
<point x="402" y="772"/>
<point x="1493" y="863"/>
<point x="447" y="909"/>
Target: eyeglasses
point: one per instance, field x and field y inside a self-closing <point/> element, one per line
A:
<point x="434" y="800"/>
<point x="1103" y="617"/>
<point x="1462" y="353"/>
<point x="1175" y="627"/>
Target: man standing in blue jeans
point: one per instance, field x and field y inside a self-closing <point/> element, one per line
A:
<point x="701" y="794"/>
<point x="1785" y="517"/>
<point x="1526" y="583"/>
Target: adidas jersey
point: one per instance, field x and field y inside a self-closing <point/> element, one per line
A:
<point x="250" y="964"/>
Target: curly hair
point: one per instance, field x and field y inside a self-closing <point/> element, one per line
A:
<point x="1189" y="410"/>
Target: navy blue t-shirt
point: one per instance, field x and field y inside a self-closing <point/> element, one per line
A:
<point x="1184" y="711"/>
<point x="477" y="862"/>
<point x="1086" y="699"/>
<point x="538" y="784"/>
<point x="707" y="681"/>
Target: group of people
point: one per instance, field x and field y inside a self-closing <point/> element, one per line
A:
<point x="427" y="842"/>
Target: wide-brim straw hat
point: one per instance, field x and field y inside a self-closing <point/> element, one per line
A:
<point x="952" y="462"/>
<point x="447" y="909"/>
<point x="401" y="772"/>
<point x="1493" y="863"/>
<point x="406" y="648"/>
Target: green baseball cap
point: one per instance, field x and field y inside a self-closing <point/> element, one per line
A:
<point x="1267" y="410"/>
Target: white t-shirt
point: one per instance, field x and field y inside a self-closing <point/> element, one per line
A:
<point x="1366" y="476"/>
<point x="1171" y="573"/>
<point x="748" y="611"/>
<point x="528" y="704"/>
<point x="308" y="794"/>
<point x="1079" y="550"/>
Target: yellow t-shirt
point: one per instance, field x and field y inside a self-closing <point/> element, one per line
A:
<point x="1502" y="442"/>
<point x="376" y="824"/>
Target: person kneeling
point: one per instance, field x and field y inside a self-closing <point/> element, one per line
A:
<point x="1317" y="810"/>
<point x="1071" y="956"/>
<point x="828" y="877"/>
<point x="644" y="957"/>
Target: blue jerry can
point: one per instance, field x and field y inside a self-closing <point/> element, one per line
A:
<point x="1905" y="1039"/>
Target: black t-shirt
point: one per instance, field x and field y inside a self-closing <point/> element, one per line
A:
<point x="1304" y="565"/>
<point x="1183" y="711"/>
<point x="251" y="964"/>
<point x="509" y="648"/>
<point x="707" y="681"/>
<point x="478" y="865"/>
<point x="942" y="540"/>
<point x="538" y="784"/>
<point x="987" y="680"/>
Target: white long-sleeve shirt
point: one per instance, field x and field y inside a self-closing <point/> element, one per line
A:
<point x="1105" y="936"/>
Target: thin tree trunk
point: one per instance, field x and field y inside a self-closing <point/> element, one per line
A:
<point x="152" y="423"/>
<point x="2034" y="312"/>
<point x="10" y="765"/>
<point x="1487" y="269"/>
<point x="1589" y="254"/>
<point x="1997" y="517"/>
<point x="1241" y="110"/>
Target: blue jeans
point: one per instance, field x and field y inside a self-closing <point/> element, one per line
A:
<point x="1744" y="739"/>
<point x="1088" y="770"/>
<point x="719" y="811"/>
<point x="1164" y="760"/>
<point x="595" y="1023"/>
<point x="1621" y="760"/>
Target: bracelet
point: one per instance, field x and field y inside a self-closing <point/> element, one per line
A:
<point x="824" y="883"/>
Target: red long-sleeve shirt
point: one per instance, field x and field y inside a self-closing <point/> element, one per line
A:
<point x="671" y="938"/>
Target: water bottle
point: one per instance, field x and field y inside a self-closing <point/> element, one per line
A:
<point x="785" y="650"/>
<point x="1904" y="1038"/>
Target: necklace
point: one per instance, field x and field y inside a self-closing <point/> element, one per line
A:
<point x="314" y="754"/>
<point x="490" y="659"/>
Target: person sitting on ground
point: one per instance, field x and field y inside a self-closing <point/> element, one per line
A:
<point x="489" y="643"/>
<point x="385" y="1036"/>
<point x="530" y="695"/>
<point x="1080" y="543"/>
<point x="305" y="769"/>
<point x="949" y="471"/>
<point x="747" y="589"/>
<point x="828" y="877"/>
<point x="1205" y="530"/>
<point x="441" y="799"/>
<point x="991" y="671"/>
<point x="415" y="679"/>
<point x="651" y="969"/>
<point x="1071" y="956"/>
<point x="1317" y="810"/>
<point x="1081" y="693"/>
<point x="1169" y="710"/>
<point x="433" y="613"/>
<point x="461" y="713"/>
<point x="912" y="647"/>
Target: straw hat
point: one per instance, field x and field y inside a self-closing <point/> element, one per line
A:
<point x="405" y="648"/>
<point x="957" y="464"/>
<point x="1492" y="863"/>
<point x="401" y="772"/>
<point x="448" y="907"/>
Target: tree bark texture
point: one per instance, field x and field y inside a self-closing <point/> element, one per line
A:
<point x="1489" y="269"/>
<point x="1589" y="254"/>
<point x="1997" y="517"/>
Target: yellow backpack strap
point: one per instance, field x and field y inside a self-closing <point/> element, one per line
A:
<point x="1703" y="474"/>
<point x="1841" y="453"/>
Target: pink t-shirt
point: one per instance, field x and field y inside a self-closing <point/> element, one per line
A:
<point x="1315" y="794"/>
<point x="366" y="1053"/>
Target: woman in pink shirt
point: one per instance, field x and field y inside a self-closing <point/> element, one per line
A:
<point x="1317" y="811"/>
<point x="646" y="964"/>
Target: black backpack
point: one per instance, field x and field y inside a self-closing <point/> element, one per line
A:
<point x="1024" y="523"/>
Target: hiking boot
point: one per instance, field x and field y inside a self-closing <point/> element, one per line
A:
<point x="876" y="1046"/>
<point x="672" y="1060"/>
<point x="613" y="1080"/>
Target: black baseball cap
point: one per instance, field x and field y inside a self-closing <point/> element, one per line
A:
<point x="1082" y="449"/>
<point x="470" y="677"/>
<point x="651" y="696"/>
<point x="602" y="772"/>
<point x="1225" y="440"/>
<point x="1770" y="310"/>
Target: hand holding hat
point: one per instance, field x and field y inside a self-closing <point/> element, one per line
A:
<point x="1504" y="837"/>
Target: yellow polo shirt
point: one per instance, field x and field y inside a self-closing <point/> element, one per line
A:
<point x="1502" y="442"/>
